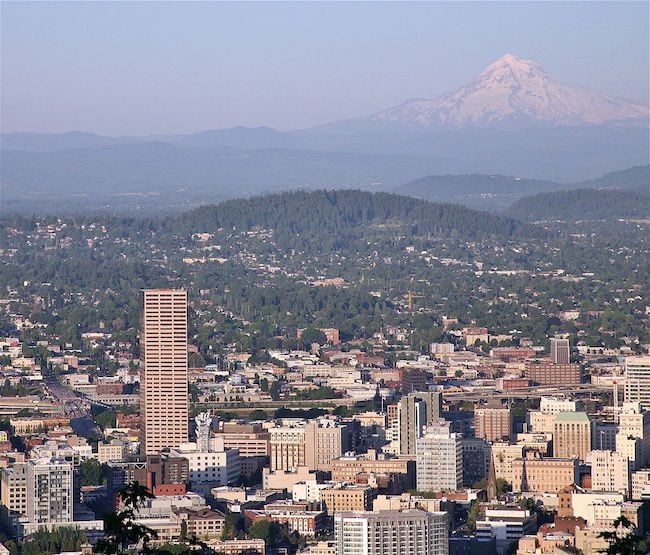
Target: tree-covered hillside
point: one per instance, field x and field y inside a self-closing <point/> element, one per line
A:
<point x="259" y="269"/>
<point x="584" y="204"/>
<point x="634" y="177"/>
<point x="485" y="192"/>
<point x="339" y="213"/>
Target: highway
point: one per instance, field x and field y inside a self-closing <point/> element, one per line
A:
<point x="75" y="408"/>
<point x="534" y="392"/>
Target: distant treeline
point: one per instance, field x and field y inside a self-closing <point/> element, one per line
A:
<point x="584" y="204"/>
<point x="341" y="211"/>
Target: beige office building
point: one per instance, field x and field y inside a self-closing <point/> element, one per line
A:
<point x="610" y="471"/>
<point x="164" y="398"/>
<point x="348" y="498"/>
<point x="533" y="473"/>
<point x="572" y="435"/>
<point x="287" y="447"/>
<point x="414" y="412"/>
<point x="347" y="467"/>
<point x="112" y="451"/>
<point x="560" y="351"/>
<point x="13" y="494"/>
<point x="503" y="454"/>
<point x="251" y="439"/>
<point x="325" y="440"/>
<point x="493" y="423"/>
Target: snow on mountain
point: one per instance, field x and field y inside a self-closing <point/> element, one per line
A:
<point x="512" y="91"/>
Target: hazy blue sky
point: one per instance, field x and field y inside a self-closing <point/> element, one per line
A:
<point x="140" y="68"/>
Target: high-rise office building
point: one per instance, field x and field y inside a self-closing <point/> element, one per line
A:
<point x="413" y="380"/>
<point x="635" y="422"/>
<point x="391" y="533"/>
<point x="610" y="471"/>
<point x="164" y="398"/>
<point x="637" y="380"/>
<point x="326" y="439"/>
<point x="493" y="423"/>
<point x="13" y="494"/>
<point x="560" y="351"/>
<point x="572" y="435"/>
<point x="414" y="411"/>
<point x="50" y="491"/>
<point x="287" y="447"/>
<point x="476" y="460"/>
<point x="439" y="459"/>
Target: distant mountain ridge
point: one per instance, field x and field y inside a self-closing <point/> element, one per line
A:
<point x="635" y="177"/>
<point x="623" y="194"/>
<point x="499" y="192"/>
<point x="512" y="120"/>
<point x="512" y="91"/>
<point x="483" y="192"/>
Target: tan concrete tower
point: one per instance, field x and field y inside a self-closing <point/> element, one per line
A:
<point x="164" y="398"/>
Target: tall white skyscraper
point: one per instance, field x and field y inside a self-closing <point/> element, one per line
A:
<point x="403" y="532"/>
<point x="637" y="380"/>
<point x="50" y="492"/>
<point x="164" y="397"/>
<point x="439" y="459"/>
<point x="635" y="422"/>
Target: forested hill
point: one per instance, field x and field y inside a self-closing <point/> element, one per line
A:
<point x="584" y="204"/>
<point x="483" y="192"/>
<point x="634" y="177"/>
<point x="337" y="212"/>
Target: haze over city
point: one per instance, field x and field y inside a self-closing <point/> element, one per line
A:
<point x="166" y="68"/>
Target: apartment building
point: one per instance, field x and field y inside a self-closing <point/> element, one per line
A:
<point x="439" y="459"/>
<point x="391" y="533"/>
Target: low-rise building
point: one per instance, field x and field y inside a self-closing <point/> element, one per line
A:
<point x="306" y="523"/>
<point x="507" y="524"/>
<point x="347" y="498"/>
<point x="202" y="523"/>
<point x="115" y="450"/>
<point x="237" y="547"/>
<point x="208" y="469"/>
<point x="537" y="474"/>
<point x="347" y="467"/>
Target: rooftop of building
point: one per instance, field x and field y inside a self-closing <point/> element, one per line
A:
<point x="202" y="513"/>
<point x="572" y="417"/>
<point x="386" y="515"/>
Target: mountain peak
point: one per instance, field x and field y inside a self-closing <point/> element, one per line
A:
<point x="514" y="91"/>
<point x="510" y="66"/>
<point x="512" y="60"/>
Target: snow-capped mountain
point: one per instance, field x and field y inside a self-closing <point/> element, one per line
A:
<point x="512" y="91"/>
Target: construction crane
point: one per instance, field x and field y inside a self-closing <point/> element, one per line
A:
<point x="409" y="298"/>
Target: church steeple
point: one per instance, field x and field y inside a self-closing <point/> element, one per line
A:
<point x="491" y="481"/>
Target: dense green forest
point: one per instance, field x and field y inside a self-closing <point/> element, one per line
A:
<point x="338" y="212"/>
<point x="498" y="192"/>
<point x="485" y="192"/>
<point x="584" y="204"/>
